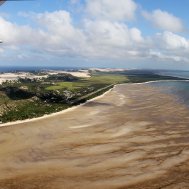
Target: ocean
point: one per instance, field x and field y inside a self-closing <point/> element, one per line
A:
<point x="33" y="68"/>
<point x="178" y="88"/>
<point x="180" y="74"/>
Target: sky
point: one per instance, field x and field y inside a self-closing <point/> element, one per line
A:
<point x="132" y="34"/>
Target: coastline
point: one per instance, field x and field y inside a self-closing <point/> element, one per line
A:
<point x="13" y="123"/>
<point x="146" y="135"/>
<point x="158" y="81"/>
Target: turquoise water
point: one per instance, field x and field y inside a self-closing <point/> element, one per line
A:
<point x="178" y="88"/>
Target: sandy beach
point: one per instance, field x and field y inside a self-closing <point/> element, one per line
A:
<point x="133" y="137"/>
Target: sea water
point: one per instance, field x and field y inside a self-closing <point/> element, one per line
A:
<point x="175" y="73"/>
<point x="180" y="89"/>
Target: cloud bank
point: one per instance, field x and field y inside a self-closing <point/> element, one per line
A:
<point x="103" y="32"/>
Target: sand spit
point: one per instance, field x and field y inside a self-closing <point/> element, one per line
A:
<point x="140" y="143"/>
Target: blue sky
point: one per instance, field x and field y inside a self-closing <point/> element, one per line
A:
<point x="95" y="33"/>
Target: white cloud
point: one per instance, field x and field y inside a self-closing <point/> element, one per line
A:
<point x="172" y="41"/>
<point x="164" y="20"/>
<point x="55" y="34"/>
<point x="61" y="32"/>
<point x="112" y="9"/>
<point x="167" y="56"/>
<point x="111" y="39"/>
<point x="169" y="46"/>
<point x="112" y="33"/>
<point x="136" y="35"/>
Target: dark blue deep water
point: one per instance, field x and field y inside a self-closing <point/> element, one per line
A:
<point x="32" y="68"/>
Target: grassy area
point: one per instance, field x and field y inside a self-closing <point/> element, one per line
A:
<point x="149" y="77"/>
<point x="108" y="78"/>
<point x="67" y="85"/>
<point x="96" y="79"/>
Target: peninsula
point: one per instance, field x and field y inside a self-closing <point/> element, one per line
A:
<point x="31" y="94"/>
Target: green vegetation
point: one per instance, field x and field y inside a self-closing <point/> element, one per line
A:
<point x="96" y="79"/>
<point x="30" y="109"/>
<point x="148" y="77"/>
<point x="67" y="85"/>
<point x="28" y="98"/>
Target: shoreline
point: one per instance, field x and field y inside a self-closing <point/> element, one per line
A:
<point x="133" y="129"/>
<point x="13" y="123"/>
<point x="147" y="82"/>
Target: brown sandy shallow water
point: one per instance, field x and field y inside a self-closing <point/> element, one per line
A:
<point x="135" y="137"/>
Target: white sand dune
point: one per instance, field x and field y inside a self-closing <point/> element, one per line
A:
<point x="14" y="76"/>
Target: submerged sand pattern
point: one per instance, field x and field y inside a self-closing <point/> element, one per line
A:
<point x="133" y="137"/>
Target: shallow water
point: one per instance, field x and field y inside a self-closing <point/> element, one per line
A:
<point x="181" y="74"/>
<point x="180" y="89"/>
